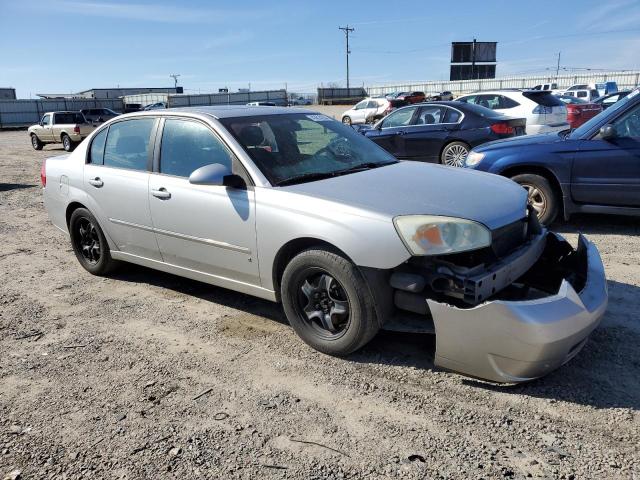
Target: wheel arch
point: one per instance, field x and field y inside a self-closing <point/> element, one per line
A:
<point x="543" y="172"/>
<point x="73" y="206"/>
<point x="292" y="248"/>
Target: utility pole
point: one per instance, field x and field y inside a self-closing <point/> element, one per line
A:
<point x="558" y="67"/>
<point x="347" y="30"/>
<point x="175" y="79"/>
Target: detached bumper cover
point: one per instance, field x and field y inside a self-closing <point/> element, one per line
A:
<point x="516" y="341"/>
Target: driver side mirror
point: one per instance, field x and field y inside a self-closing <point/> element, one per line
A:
<point x="218" y="175"/>
<point x="608" y="132"/>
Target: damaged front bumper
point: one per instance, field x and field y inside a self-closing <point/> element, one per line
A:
<point x="507" y="340"/>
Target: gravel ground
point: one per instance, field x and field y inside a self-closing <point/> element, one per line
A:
<point x="148" y="375"/>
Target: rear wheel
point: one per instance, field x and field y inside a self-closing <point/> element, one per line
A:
<point x="35" y="142"/>
<point x="89" y="243"/>
<point x="327" y="302"/>
<point x="346" y="120"/>
<point x="67" y="143"/>
<point x="540" y="195"/>
<point x="454" y="154"/>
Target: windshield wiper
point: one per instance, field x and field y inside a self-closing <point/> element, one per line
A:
<point x="305" y="177"/>
<point x="361" y="167"/>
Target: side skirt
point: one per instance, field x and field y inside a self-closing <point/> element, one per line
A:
<point x="218" y="281"/>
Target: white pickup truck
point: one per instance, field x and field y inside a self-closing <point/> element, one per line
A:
<point x="68" y="128"/>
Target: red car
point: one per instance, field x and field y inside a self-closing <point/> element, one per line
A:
<point x="411" y="97"/>
<point x="578" y="110"/>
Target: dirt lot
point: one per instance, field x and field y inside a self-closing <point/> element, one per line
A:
<point x="147" y="375"/>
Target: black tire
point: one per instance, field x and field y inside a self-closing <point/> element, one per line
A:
<point x="35" y="142"/>
<point x="346" y="120"/>
<point x="454" y="154"/>
<point x="542" y="196"/>
<point x="67" y="143"/>
<point x="353" y="330"/>
<point x="89" y="243"/>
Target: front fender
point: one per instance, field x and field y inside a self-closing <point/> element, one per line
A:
<point x="369" y="240"/>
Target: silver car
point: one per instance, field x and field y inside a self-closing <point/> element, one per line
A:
<point x="294" y="207"/>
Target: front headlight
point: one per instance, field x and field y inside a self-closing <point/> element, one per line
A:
<point x="434" y="235"/>
<point x="473" y="158"/>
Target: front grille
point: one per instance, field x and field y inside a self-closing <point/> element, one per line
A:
<point x="508" y="238"/>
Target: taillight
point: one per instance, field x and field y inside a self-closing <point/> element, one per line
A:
<point x="43" y="173"/>
<point x="502" y="128"/>
<point x="76" y="129"/>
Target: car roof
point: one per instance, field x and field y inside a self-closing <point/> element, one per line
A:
<point x="227" y="111"/>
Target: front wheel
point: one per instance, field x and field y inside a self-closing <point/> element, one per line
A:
<point x="89" y="243"/>
<point x="540" y="195"/>
<point x="67" y="143"/>
<point x="454" y="154"/>
<point x="35" y="142"/>
<point x="327" y="302"/>
<point x="346" y="120"/>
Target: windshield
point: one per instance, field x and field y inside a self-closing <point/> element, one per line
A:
<point x="298" y="147"/>
<point x="590" y="124"/>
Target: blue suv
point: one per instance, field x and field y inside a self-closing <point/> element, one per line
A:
<point x="592" y="169"/>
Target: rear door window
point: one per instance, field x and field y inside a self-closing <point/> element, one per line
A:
<point x="127" y="144"/>
<point x="430" y="115"/>
<point x="452" y="116"/>
<point x="96" y="152"/>
<point x="506" y="102"/>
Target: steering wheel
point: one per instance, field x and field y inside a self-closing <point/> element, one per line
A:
<point x="338" y="147"/>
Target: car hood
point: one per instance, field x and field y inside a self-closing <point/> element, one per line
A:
<point x="411" y="188"/>
<point x="522" y="141"/>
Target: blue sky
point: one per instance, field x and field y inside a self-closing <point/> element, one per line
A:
<point x="71" y="45"/>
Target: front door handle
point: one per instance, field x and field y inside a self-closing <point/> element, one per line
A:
<point x="401" y="132"/>
<point x="161" y="193"/>
<point x="96" y="182"/>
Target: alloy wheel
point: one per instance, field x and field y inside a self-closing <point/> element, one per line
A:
<point x="536" y="198"/>
<point x="34" y="141"/>
<point x="323" y="304"/>
<point x="88" y="241"/>
<point x="455" y="155"/>
<point x="66" y="143"/>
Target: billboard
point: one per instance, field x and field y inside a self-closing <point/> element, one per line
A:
<point x="470" y="72"/>
<point x="463" y="52"/>
<point x="473" y="60"/>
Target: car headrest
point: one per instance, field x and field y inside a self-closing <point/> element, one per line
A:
<point x="130" y="144"/>
<point x="429" y="119"/>
<point x="251" y="136"/>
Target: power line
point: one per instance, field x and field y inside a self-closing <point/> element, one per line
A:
<point x="347" y="30"/>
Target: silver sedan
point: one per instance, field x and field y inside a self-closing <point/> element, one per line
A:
<point x="294" y="207"/>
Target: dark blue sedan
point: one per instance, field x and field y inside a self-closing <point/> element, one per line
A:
<point x="592" y="169"/>
<point x="441" y="132"/>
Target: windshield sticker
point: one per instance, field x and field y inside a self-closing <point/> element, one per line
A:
<point x="319" y="118"/>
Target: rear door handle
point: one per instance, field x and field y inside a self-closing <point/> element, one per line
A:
<point x="401" y="132"/>
<point x="161" y="193"/>
<point x="96" y="182"/>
